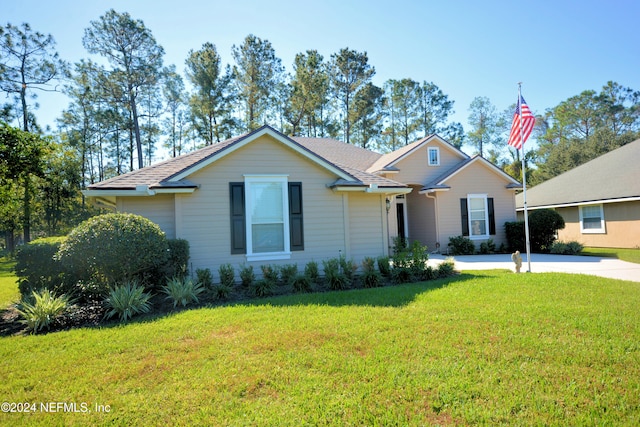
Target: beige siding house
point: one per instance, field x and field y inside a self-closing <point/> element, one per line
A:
<point x="599" y="200"/>
<point x="265" y="198"/>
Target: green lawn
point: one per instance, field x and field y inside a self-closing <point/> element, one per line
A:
<point x="630" y="255"/>
<point x="485" y="348"/>
<point x="8" y="288"/>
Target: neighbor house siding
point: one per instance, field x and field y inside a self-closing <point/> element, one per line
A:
<point x="159" y="209"/>
<point x="415" y="169"/>
<point x="205" y="213"/>
<point x="476" y="179"/>
<point x="622" y="226"/>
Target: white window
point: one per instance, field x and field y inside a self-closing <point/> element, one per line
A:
<point x="592" y="219"/>
<point x="267" y="217"/>
<point x="434" y="156"/>
<point x="478" y="215"/>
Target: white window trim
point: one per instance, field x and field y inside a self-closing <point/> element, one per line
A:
<point x="437" y="150"/>
<point x="267" y="256"/>
<point x="486" y="216"/>
<point x="600" y="230"/>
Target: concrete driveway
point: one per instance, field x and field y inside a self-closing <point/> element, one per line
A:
<point x="545" y="263"/>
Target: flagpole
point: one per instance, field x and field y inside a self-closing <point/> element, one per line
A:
<point x="524" y="182"/>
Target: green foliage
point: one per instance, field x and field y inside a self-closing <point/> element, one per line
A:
<point x="183" y="291"/>
<point x="311" y="270"/>
<point x="204" y="277"/>
<point x="227" y="275"/>
<point x="114" y="247"/>
<point x="42" y="310"/>
<point x="446" y="268"/>
<point x="460" y="245"/>
<point x="247" y="276"/>
<point x="270" y="273"/>
<point x="336" y="279"/>
<point x="348" y="268"/>
<point x="288" y="272"/>
<point x="371" y="278"/>
<point x="37" y="269"/>
<point x="543" y="226"/>
<point x="263" y="287"/>
<point x="515" y="236"/>
<point x="178" y="262"/>
<point x="128" y="300"/>
<point x="384" y="266"/>
<point x="488" y="247"/>
<point x="568" y="248"/>
<point x="301" y="283"/>
<point x="222" y="291"/>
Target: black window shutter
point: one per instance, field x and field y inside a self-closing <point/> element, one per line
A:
<point x="238" y="225"/>
<point x="492" y="217"/>
<point x="296" y="226"/>
<point x="464" y="215"/>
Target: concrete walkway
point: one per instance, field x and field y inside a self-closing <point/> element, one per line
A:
<point x="544" y="263"/>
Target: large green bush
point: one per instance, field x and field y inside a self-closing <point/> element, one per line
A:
<point x="37" y="269"/>
<point x="515" y="236"/>
<point x="543" y="226"/>
<point x="114" y="248"/>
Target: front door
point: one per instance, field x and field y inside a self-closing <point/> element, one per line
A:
<point x="400" y="217"/>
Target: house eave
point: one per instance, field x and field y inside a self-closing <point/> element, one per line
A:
<point x="582" y="203"/>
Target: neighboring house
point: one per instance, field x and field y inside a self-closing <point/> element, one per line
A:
<point x="267" y="198"/>
<point x="599" y="200"/>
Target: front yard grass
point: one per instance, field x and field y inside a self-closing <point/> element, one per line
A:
<point x="487" y="348"/>
<point x="8" y="288"/>
<point x="630" y="255"/>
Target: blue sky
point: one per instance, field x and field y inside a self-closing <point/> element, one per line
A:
<point x="468" y="48"/>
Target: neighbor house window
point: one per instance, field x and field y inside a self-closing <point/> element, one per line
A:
<point x="477" y="216"/>
<point x="266" y="217"/>
<point x="592" y="219"/>
<point x="434" y="156"/>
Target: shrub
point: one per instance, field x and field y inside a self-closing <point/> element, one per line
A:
<point x="222" y="291"/>
<point x="348" y="268"/>
<point x="384" y="266"/>
<point x="204" y="277"/>
<point x="43" y="310"/>
<point x="37" y="269"/>
<point x="263" y="287"/>
<point x="247" y="276"/>
<point x="569" y="248"/>
<point x="418" y="261"/>
<point x="460" y="245"/>
<point x="114" y="247"/>
<point x="270" y="273"/>
<point x="488" y="247"/>
<point x="515" y="236"/>
<point x="288" y="272"/>
<point x="227" y="275"/>
<point x="332" y="274"/>
<point x="301" y="283"/>
<point x="178" y="259"/>
<point x="182" y="291"/>
<point x="127" y="300"/>
<point x="371" y="278"/>
<point x="311" y="271"/>
<point x="543" y="226"/>
<point x="446" y="268"/>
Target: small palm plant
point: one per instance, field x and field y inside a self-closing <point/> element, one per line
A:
<point x="182" y="291"/>
<point x="127" y="300"/>
<point x="41" y="312"/>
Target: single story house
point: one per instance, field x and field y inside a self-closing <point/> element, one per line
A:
<point x="599" y="200"/>
<point x="264" y="198"/>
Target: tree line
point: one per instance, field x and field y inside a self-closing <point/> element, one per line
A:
<point x="126" y="104"/>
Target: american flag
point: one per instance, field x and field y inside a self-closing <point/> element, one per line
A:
<point x="528" y="120"/>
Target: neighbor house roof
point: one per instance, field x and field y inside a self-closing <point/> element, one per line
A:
<point x="347" y="161"/>
<point x="612" y="177"/>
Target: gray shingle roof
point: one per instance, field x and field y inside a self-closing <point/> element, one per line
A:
<point x="352" y="160"/>
<point x="614" y="175"/>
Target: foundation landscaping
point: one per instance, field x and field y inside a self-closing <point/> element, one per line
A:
<point x="91" y="339"/>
